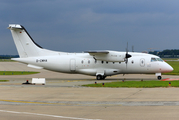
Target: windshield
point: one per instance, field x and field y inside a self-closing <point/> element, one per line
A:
<point x="156" y="59"/>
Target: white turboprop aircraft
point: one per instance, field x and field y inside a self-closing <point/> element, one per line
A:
<point x="95" y="63"/>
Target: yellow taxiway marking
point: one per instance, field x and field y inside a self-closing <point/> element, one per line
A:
<point x="18" y="101"/>
<point x="64" y="104"/>
<point x="28" y="102"/>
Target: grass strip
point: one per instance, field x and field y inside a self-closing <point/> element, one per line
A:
<point x="136" y="84"/>
<point x="6" y="60"/>
<point x="4" y="80"/>
<point x="17" y="72"/>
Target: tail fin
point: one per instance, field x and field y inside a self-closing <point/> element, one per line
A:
<point x="25" y="45"/>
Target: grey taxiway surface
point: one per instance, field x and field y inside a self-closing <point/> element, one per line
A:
<point x="64" y="98"/>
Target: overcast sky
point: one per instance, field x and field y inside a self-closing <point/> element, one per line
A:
<point x="80" y="25"/>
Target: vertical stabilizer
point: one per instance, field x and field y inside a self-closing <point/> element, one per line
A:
<point x="25" y="45"/>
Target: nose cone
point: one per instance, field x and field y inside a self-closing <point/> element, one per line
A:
<point x="166" y="68"/>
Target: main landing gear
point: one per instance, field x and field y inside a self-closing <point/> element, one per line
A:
<point x="100" y="77"/>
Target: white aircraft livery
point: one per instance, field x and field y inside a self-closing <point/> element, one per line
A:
<point x="95" y="63"/>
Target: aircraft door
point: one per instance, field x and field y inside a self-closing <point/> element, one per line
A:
<point x="72" y="64"/>
<point x="142" y="62"/>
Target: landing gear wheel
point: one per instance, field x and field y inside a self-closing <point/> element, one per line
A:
<point x="159" y="77"/>
<point x="99" y="77"/>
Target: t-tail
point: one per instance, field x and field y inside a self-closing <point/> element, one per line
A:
<point x="25" y="45"/>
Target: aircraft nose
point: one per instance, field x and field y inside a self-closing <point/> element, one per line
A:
<point x="167" y="68"/>
<point x="170" y="68"/>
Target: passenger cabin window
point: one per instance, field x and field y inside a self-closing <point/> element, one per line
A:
<point x="156" y="59"/>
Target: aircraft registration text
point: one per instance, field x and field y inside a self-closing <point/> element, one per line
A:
<point x="41" y="60"/>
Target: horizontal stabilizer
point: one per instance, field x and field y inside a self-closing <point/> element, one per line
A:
<point x="14" y="26"/>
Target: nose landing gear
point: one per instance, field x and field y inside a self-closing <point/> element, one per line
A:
<point x="159" y="77"/>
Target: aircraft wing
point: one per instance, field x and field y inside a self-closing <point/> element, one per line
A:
<point x="97" y="52"/>
<point x="110" y="56"/>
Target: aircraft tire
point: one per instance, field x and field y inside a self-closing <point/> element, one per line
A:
<point x="159" y="77"/>
<point x="99" y="77"/>
<point x="103" y="77"/>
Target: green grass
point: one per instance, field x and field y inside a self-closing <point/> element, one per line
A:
<point x="17" y="72"/>
<point x="4" y="80"/>
<point x="136" y="84"/>
<point x="6" y="60"/>
<point x="170" y="58"/>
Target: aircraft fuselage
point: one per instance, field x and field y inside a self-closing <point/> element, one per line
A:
<point x="83" y="63"/>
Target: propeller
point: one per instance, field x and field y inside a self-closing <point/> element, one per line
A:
<point x="127" y="55"/>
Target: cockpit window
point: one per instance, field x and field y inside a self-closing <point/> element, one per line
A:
<point x="156" y="59"/>
<point x="159" y="59"/>
<point x="153" y="59"/>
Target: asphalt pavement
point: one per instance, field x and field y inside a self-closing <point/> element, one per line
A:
<point x="64" y="98"/>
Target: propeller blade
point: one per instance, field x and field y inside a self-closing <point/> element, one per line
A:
<point x="127" y="55"/>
